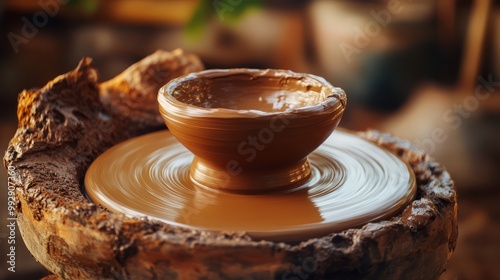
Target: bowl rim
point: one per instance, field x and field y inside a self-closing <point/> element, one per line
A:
<point x="335" y="102"/>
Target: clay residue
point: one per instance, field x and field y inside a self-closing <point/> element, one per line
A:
<point x="254" y="92"/>
<point x="132" y="94"/>
<point x="250" y="90"/>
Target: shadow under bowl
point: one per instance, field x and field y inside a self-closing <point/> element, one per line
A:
<point x="250" y="130"/>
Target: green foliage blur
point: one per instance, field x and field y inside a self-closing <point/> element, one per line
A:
<point x="227" y="11"/>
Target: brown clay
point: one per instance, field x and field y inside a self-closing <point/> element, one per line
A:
<point x="149" y="176"/>
<point x="61" y="132"/>
<point x="246" y="127"/>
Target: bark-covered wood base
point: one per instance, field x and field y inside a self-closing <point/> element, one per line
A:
<point x="69" y="122"/>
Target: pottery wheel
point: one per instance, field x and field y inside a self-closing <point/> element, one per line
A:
<point x="353" y="182"/>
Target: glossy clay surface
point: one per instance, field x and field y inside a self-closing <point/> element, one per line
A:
<point x="353" y="182"/>
<point x="250" y="93"/>
<point x="259" y="125"/>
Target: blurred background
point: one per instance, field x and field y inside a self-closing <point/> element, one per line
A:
<point x="424" y="70"/>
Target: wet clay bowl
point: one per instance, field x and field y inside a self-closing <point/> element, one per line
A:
<point x="250" y="130"/>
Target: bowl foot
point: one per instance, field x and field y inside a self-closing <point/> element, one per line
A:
<point x="236" y="178"/>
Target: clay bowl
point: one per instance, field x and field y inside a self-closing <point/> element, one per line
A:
<point x="250" y="130"/>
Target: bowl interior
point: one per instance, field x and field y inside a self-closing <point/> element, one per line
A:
<point x="264" y="91"/>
